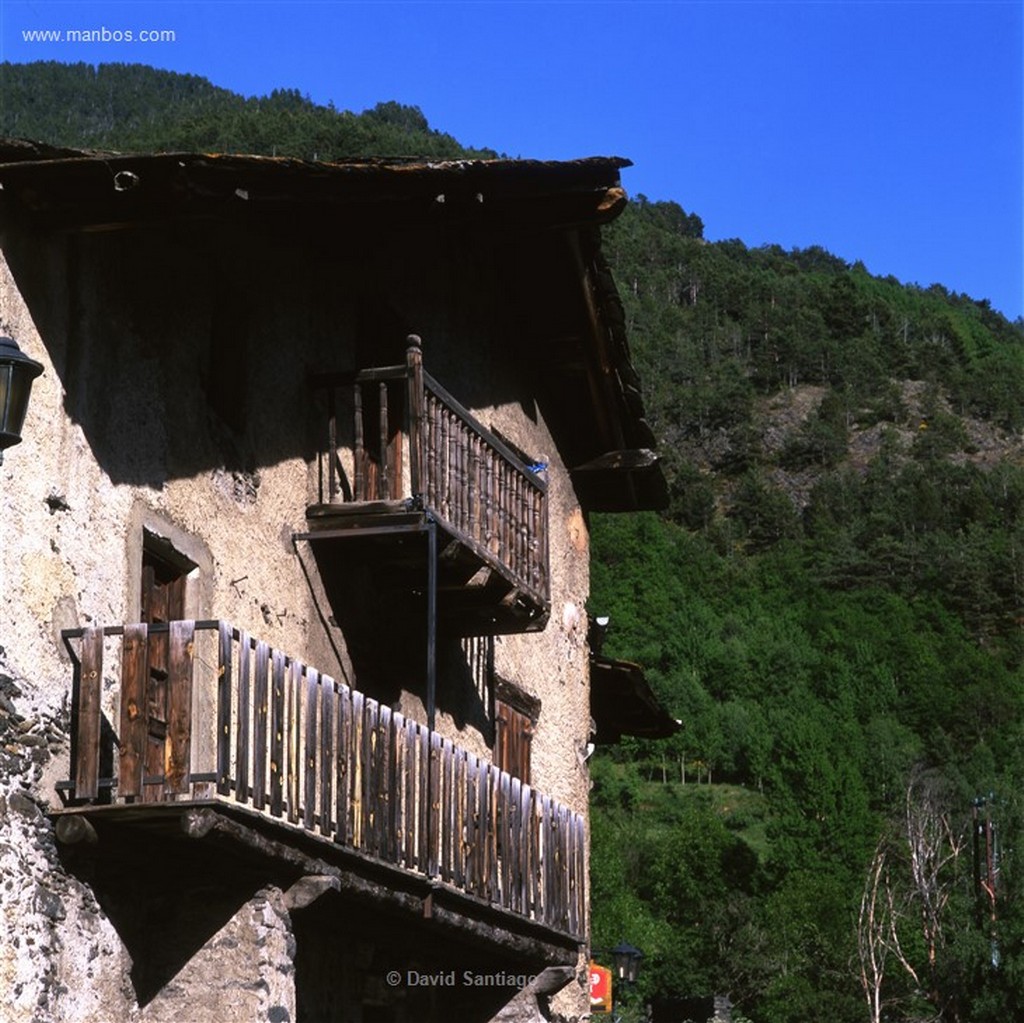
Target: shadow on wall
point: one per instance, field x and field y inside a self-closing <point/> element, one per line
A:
<point x="166" y="896"/>
<point x="187" y="349"/>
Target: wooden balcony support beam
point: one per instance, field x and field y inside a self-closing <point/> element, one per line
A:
<point x="448" y="910"/>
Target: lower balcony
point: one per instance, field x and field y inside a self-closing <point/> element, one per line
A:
<point x="234" y="737"/>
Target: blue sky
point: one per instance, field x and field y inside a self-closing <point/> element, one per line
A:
<point x="889" y="132"/>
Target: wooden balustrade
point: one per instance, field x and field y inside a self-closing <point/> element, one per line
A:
<point x="250" y="725"/>
<point x="412" y="441"/>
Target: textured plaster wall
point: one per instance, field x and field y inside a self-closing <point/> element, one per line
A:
<point x="120" y="438"/>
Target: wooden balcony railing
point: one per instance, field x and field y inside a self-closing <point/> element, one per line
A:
<point x="412" y="441"/>
<point x="240" y="721"/>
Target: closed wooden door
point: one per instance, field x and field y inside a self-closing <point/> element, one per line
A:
<point x="163" y="601"/>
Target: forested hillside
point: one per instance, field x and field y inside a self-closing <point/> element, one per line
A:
<point x="833" y="603"/>
<point x="833" y="606"/>
<point x="131" y="107"/>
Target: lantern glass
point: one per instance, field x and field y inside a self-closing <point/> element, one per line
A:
<point x="17" y="371"/>
<point x="627" y="958"/>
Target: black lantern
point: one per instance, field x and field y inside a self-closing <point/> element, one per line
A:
<point x="17" y="371"/>
<point x="626" y="959"/>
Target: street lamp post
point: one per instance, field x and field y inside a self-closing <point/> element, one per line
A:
<point x="17" y="371"/>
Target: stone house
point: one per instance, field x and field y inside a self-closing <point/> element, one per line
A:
<point x="294" y="675"/>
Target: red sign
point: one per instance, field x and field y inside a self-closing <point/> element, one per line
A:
<point x="600" y="988"/>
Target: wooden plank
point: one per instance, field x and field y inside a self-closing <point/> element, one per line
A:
<point x="446" y="811"/>
<point x="344" y="763"/>
<point x="358" y="762"/>
<point x="494" y="800"/>
<point x="473" y="851"/>
<point x="384" y="476"/>
<point x="484" y="827"/>
<point x="180" y="667"/>
<point x="524" y="857"/>
<point x="458" y="872"/>
<point x="277" y="726"/>
<point x="224" y="708"/>
<point x="501" y="836"/>
<point x="415" y="414"/>
<point x="87" y="736"/>
<point x="134" y="672"/>
<point x="510" y="854"/>
<point x="385" y="786"/>
<point x="396" y="778"/>
<point x="311" y="749"/>
<point x="332" y="446"/>
<point x="548" y="858"/>
<point x="422" y="798"/>
<point x="542" y="860"/>
<point x="368" y="787"/>
<point x="244" y="725"/>
<point x="261" y="731"/>
<point x="358" y="447"/>
<point x="410" y="805"/>
<point x="434" y="819"/>
<point x="327" y="754"/>
<point x="293" y="740"/>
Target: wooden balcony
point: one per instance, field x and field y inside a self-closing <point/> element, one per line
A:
<point x="401" y="456"/>
<point x="236" y="725"/>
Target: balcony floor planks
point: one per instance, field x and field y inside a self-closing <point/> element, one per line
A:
<point x="477" y="595"/>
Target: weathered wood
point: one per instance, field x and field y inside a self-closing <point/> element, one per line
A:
<point x="358" y="761"/>
<point x="506" y="817"/>
<point x="396" y="765"/>
<point x="327" y="754"/>
<point x="384" y="476"/>
<point x="87" y="740"/>
<point x="386" y="787"/>
<point x="242" y="738"/>
<point x="134" y="672"/>
<point x="261" y="725"/>
<point x="547" y="857"/>
<point x="277" y="726"/>
<point x="293" y="739"/>
<point x="345" y="764"/>
<point x="180" y="664"/>
<point x="512" y="854"/>
<point x="434" y="797"/>
<point x="415" y="412"/>
<point x="458" y="870"/>
<point x="446" y="810"/>
<point x="208" y="824"/>
<point x="368" y="789"/>
<point x="332" y="446"/>
<point x="224" y="637"/>
<point x="311" y="749"/>
<point x="471" y="843"/>
<point x="358" y="446"/>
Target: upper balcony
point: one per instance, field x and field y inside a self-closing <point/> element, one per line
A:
<point x="232" y="737"/>
<point x="403" y="456"/>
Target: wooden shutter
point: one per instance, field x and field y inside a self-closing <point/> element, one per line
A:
<point x="513" y="736"/>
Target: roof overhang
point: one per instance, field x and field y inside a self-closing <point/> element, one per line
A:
<point x="593" y="394"/>
<point x="623" y="703"/>
<point x="66" y="189"/>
